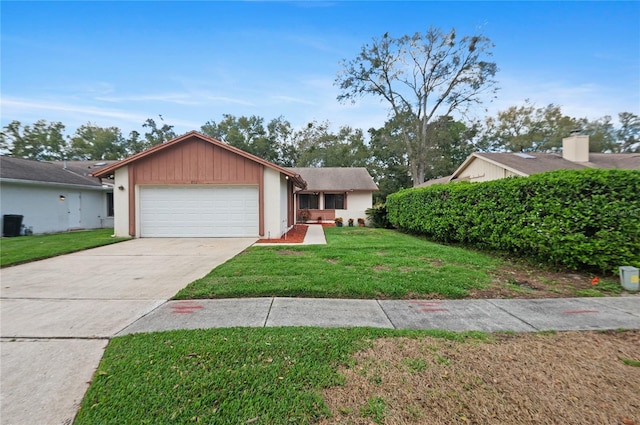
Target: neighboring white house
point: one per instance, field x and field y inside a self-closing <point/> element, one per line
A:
<point x="52" y="198"/>
<point x="196" y="186"/>
<point x="334" y="192"/>
<point x="481" y="166"/>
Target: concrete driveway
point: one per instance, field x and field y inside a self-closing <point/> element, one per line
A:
<point x="58" y="314"/>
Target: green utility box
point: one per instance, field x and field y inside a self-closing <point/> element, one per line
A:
<point x="629" y="278"/>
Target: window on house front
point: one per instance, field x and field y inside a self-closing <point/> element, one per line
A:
<point x="334" y="201"/>
<point x="308" y="201"/>
<point x="110" y="204"/>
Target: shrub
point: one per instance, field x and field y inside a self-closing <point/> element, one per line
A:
<point x="585" y="219"/>
<point x="377" y="216"/>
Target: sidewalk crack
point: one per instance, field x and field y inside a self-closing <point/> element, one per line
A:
<point x="512" y="315"/>
<point x="386" y="315"/>
<point x="268" y="313"/>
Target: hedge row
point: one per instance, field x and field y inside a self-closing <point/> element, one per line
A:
<point x="587" y="219"/>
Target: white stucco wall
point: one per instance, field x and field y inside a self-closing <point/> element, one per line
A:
<point x="284" y="219"/>
<point x="275" y="208"/>
<point x="121" y="202"/>
<point x="45" y="212"/>
<point x="357" y="204"/>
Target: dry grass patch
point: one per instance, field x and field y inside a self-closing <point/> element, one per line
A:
<point x="568" y="378"/>
<point x="381" y="268"/>
<point x="289" y="252"/>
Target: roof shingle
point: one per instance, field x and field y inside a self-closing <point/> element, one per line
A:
<point x="336" y="179"/>
<point x="47" y="172"/>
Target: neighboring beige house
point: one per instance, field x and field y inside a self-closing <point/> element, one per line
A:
<point x="479" y="167"/>
<point x="334" y="192"/>
<point x="196" y="186"/>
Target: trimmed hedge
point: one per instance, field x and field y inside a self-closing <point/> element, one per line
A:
<point x="586" y="219"/>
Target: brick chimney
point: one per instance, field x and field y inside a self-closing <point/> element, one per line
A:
<point x="575" y="148"/>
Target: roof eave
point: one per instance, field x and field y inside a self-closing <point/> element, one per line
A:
<point x="475" y="155"/>
<point x="56" y="184"/>
<point x="297" y="180"/>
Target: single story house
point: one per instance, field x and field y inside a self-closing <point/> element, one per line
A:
<point x="479" y="167"/>
<point x="334" y="192"/>
<point x="53" y="198"/>
<point x="197" y="186"/>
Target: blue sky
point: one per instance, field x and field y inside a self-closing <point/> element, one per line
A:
<point x="118" y="63"/>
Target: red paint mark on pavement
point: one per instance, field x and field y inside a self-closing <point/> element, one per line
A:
<point x="579" y="311"/>
<point x="428" y="306"/>
<point x="185" y="308"/>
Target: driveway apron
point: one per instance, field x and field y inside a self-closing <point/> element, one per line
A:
<point x="58" y="314"/>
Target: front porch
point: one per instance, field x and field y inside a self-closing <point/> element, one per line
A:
<point x="315" y="215"/>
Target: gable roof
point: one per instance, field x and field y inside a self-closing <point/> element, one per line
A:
<point x="534" y="162"/>
<point x="526" y="164"/>
<point x="440" y="180"/>
<point x="84" y="168"/>
<point x="295" y="178"/>
<point x="39" y="171"/>
<point x="336" y="179"/>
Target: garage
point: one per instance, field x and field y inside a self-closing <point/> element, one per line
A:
<point x="199" y="211"/>
<point x="197" y="186"/>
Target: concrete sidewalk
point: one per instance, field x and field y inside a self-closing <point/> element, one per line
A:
<point x="57" y="315"/>
<point x="518" y="315"/>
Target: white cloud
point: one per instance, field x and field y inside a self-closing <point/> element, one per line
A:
<point x="577" y="100"/>
<point x="74" y="115"/>
<point x="191" y="99"/>
<point x="291" y="99"/>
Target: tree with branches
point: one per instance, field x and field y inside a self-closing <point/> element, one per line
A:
<point x="421" y="77"/>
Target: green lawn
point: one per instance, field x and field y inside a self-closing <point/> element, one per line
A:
<point x="225" y="376"/>
<point x="23" y="249"/>
<point x="355" y="263"/>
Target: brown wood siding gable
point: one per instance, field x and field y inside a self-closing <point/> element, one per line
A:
<point x="196" y="162"/>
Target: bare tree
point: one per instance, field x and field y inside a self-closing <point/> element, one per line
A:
<point x="421" y="77"/>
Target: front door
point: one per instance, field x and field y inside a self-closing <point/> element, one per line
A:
<point x="74" y="210"/>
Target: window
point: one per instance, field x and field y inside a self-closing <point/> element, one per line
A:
<point x="308" y="201"/>
<point x="110" y="204"/>
<point x="334" y="201"/>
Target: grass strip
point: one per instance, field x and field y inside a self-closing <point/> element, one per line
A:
<point x="24" y="249"/>
<point x="226" y="376"/>
<point x="355" y="263"/>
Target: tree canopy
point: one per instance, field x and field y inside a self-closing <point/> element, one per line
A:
<point x="421" y="77"/>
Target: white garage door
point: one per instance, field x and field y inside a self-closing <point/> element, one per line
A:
<point x="199" y="211"/>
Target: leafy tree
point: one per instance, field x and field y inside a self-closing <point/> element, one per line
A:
<point x="602" y="135"/>
<point x="389" y="165"/>
<point x="91" y="142"/>
<point x="421" y="77"/>
<point x="280" y="132"/>
<point x="43" y="141"/>
<point x="250" y="135"/>
<point x="527" y="128"/>
<point x="156" y="135"/>
<point x="134" y="143"/>
<point x="530" y="129"/>
<point x="452" y="143"/>
<point x="319" y="147"/>
<point x="629" y="132"/>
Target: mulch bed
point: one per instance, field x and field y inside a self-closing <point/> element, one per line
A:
<point x="295" y="235"/>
